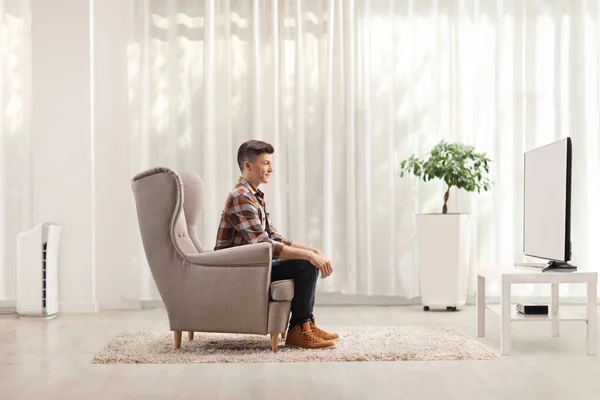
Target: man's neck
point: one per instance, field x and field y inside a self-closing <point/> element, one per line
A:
<point x="253" y="184"/>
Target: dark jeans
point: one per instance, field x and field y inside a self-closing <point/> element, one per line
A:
<point x="305" y="277"/>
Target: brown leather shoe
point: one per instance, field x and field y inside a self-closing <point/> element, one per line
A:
<point x="305" y="338"/>
<point x="320" y="332"/>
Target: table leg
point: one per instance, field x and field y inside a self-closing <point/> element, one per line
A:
<point x="480" y="302"/>
<point x="592" y="315"/>
<point x="554" y="309"/>
<point x="505" y="320"/>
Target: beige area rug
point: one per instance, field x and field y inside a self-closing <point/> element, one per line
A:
<point x="370" y="343"/>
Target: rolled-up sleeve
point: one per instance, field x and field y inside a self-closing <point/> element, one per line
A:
<point x="245" y="219"/>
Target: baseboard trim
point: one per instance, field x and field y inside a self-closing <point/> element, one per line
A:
<point x="8" y="307"/>
<point x="78" y="308"/>
<point x="8" y="303"/>
<point x="337" y="299"/>
<point x="152" y="304"/>
<point x="119" y="304"/>
<point x="67" y="308"/>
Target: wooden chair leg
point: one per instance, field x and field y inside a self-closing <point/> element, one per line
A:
<point x="177" y="336"/>
<point x="191" y="335"/>
<point x="274" y="342"/>
<point x="284" y="335"/>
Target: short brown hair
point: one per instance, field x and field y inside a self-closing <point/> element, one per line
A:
<point x="249" y="150"/>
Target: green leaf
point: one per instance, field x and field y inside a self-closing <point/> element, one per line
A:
<point x="453" y="163"/>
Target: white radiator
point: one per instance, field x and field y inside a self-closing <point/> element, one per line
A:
<point x="37" y="271"/>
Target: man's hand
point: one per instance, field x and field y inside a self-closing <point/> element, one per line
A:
<point x="315" y="256"/>
<point x="322" y="264"/>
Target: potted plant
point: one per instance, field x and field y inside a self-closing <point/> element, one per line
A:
<point x="443" y="238"/>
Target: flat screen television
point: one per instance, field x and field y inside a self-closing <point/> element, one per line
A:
<point x="547" y="204"/>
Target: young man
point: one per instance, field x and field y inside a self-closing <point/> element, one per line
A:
<point x="244" y="220"/>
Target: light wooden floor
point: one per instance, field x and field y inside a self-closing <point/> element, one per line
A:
<point x="51" y="360"/>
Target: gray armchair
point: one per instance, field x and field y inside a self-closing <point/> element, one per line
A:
<point x="226" y="290"/>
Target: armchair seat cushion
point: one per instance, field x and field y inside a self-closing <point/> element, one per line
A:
<point x="282" y="290"/>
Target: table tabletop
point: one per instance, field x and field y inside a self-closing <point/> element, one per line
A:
<point x="516" y="274"/>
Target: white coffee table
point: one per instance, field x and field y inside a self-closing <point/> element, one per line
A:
<point x="509" y="274"/>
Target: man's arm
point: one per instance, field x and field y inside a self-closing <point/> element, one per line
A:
<point x="246" y="221"/>
<point x="309" y="248"/>
<point x="296" y="253"/>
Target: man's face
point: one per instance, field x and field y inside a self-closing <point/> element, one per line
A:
<point x="260" y="170"/>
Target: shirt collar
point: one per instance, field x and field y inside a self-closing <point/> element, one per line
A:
<point x="255" y="191"/>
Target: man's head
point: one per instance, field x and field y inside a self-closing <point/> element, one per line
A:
<point x="255" y="161"/>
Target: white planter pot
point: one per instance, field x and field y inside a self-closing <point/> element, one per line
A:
<point x="443" y="242"/>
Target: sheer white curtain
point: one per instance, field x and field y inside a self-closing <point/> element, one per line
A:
<point x="15" y="156"/>
<point x="345" y="90"/>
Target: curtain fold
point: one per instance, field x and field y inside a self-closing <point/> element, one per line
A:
<point x="345" y="90"/>
<point x="15" y="145"/>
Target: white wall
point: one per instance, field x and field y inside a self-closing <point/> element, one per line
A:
<point x="62" y="138"/>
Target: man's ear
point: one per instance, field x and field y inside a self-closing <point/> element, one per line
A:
<point x="247" y="165"/>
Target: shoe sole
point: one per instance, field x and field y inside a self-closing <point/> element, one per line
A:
<point x="309" y="348"/>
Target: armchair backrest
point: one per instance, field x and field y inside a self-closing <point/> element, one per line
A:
<point x="193" y="204"/>
<point x="159" y="200"/>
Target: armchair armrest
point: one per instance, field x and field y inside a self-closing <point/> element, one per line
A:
<point x="222" y="291"/>
<point x="247" y="255"/>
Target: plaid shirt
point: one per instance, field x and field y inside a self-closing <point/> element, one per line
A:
<point x="244" y="220"/>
